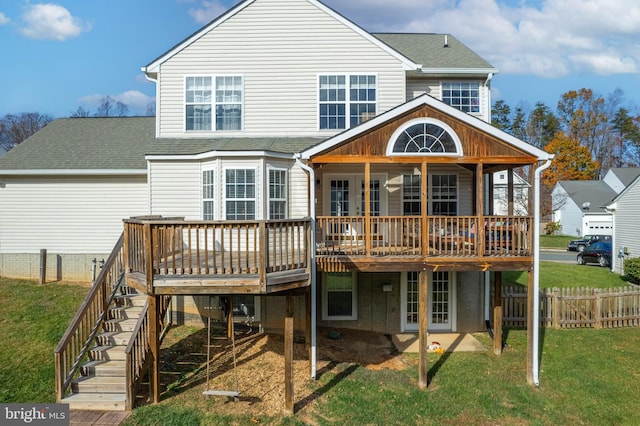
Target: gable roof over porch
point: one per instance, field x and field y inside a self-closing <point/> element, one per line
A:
<point x="480" y="141"/>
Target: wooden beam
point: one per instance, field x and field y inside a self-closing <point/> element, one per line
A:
<point x="367" y="207"/>
<point x="510" y="192"/>
<point x="530" y="324"/>
<point x="479" y="190"/>
<point x="497" y="313"/>
<point x="288" y="357"/>
<point x="154" y="343"/>
<point x="423" y="312"/>
<point x="424" y="209"/>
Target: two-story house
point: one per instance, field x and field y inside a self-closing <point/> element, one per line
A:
<point x="296" y="154"/>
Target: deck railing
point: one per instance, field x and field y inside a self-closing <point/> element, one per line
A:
<point x="74" y="345"/>
<point x="451" y="236"/>
<point x="163" y="247"/>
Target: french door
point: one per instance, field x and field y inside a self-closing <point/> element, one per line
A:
<point x="441" y="301"/>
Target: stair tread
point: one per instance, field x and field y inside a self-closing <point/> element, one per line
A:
<point x="88" y="396"/>
<point x="105" y="363"/>
<point x="116" y="380"/>
<point x="114" y="348"/>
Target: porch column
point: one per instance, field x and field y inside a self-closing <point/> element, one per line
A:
<point x="154" y="345"/>
<point x="530" y="324"/>
<point x="423" y="312"/>
<point x="288" y="357"/>
<point x="479" y="190"/>
<point x="510" y="192"/>
<point x="367" y="207"/>
<point x="424" y="211"/>
<point x="497" y="313"/>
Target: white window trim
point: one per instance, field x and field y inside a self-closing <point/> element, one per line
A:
<point x="223" y="188"/>
<point x="354" y="300"/>
<point x="347" y="97"/>
<point x="213" y="104"/>
<point x="286" y="190"/>
<point x="216" y="191"/>
<point x="425" y="120"/>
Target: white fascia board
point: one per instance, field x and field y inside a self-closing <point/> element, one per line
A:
<point x="460" y="71"/>
<point x="407" y="64"/>
<point x="624" y="192"/>
<point x="435" y="103"/>
<point x="218" y="154"/>
<point x="154" y="66"/>
<point x="70" y="172"/>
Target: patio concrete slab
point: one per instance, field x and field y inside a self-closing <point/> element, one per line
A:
<point x="450" y="342"/>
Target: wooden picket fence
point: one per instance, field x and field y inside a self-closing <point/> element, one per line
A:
<point x="574" y="307"/>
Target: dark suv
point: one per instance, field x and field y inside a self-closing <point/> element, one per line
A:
<point x="581" y="244"/>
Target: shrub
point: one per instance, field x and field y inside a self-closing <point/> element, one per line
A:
<point x="552" y="227"/>
<point x="632" y="269"/>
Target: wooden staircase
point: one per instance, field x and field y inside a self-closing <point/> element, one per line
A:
<point x="102" y="384"/>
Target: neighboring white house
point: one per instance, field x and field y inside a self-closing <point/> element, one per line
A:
<point x="274" y="101"/>
<point x="625" y="209"/>
<point x="501" y="190"/>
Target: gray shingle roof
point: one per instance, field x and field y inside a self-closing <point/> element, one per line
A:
<point x="595" y="192"/>
<point x="429" y="51"/>
<point x="626" y="174"/>
<point x="84" y="144"/>
<point x="121" y="143"/>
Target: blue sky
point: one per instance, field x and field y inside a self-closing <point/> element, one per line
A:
<point x="62" y="54"/>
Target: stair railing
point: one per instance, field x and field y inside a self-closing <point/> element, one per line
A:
<point x="139" y="349"/>
<point x="74" y="345"/>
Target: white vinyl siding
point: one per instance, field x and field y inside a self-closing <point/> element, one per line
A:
<point x="280" y="48"/>
<point x="68" y="214"/>
<point x="175" y="188"/>
<point x="625" y="225"/>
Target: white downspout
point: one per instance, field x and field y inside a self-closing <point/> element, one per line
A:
<point x="312" y="214"/>
<point x="536" y="272"/>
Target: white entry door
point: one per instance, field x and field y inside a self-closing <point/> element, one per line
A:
<point x="441" y="301"/>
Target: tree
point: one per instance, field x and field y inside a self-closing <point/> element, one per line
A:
<point x="626" y="139"/>
<point x="16" y="128"/>
<point x="500" y="116"/>
<point x="109" y="107"/>
<point x="542" y="125"/>
<point x="572" y="161"/>
<point x="80" y="113"/>
<point x="588" y="118"/>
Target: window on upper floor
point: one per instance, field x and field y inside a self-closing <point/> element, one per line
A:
<point x="277" y="194"/>
<point x="346" y="100"/>
<point x="240" y="194"/>
<point x="444" y="195"/>
<point x="411" y="204"/>
<point x="424" y="136"/>
<point x="208" y="195"/>
<point x="216" y="108"/>
<point x="464" y="96"/>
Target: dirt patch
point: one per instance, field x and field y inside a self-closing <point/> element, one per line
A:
<point x="259" y="376"/>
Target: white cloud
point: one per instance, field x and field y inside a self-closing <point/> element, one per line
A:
<point x="3" y="19"/>
<point x="207" y="11"/>
<point x="135" y="100"/>
<point x="547" y="38"/>
<point x="51" y="21"/>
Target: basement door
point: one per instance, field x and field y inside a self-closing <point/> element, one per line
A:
<point x="441" y="301"/>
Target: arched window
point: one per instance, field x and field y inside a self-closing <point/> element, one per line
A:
<point x="424" y="136"/>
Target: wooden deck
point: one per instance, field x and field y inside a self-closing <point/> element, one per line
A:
<point x="173" y="256"/>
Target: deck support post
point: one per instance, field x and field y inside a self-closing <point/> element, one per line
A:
<point x="288" y="357"/>
<point x="423" y="291"/>
<point x="497" y="313"/>
<point x="154" y="343"/>
<point x="530" y="324"/>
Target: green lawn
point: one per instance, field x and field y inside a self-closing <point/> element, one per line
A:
<point x="587" y="376"/>
<point x="555" y="241"/>
<point x="562" y="275"/>
<point x="34" y="318"/>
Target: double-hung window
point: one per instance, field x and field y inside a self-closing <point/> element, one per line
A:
<point x="464" y="96"/>
<point x="277" y="194"/>
<point x="444" y="195"/>
<point x="208" y="195"/>
<point x="340" y="297"/>
<point x="346" y="100"/>
<point x="411" y="204"/>
<point x="240" y="194"/>
<point x="213" y="103"/>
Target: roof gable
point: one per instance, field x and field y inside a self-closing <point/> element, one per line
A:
<point x="478" y="138"/>
<point x="154" y="66"/>
<point x="594" y="192"/>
